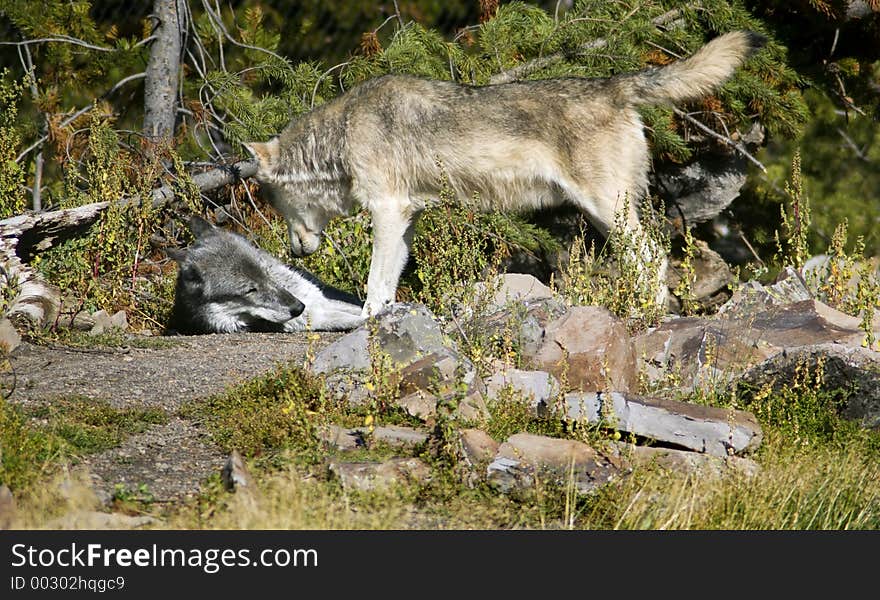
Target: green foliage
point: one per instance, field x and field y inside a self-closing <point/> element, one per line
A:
<point x="836" y="152"/>
<point x="625" y="276"/>
<point x="88" y="426"/>
<point x="12" y="176"/>
<point x="803" y="410"/>
<point x="281" y="409"/>
<point x="795" y="220"/>
<point x="103" y="268"/>
<point x="27" y="453"/>
<point x="684" y="290"/>
<point x="343" y="260"/>
<point x="849" y="282"/>
<point x="454" y="247"/>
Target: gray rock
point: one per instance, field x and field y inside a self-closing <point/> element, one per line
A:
<point x="703" y="188"/>
<point x="707" y="353"/>
<point x="119" y="321"/>
<point x="589" y="348"/>
<point x="753" y="297"/>
<point x="342" y="438"/>
<point x="523" y="324"/>
<point x="9" y="337"/>
<point x="685" y="461"/>
<point x="525" y="458"/>
<point x="81" y="321"/>
<point x="477" y="448"/>
<point x="844" y="367"/>
<point x="345" y="439"/>
<point x="715" y="431"/>
<point x="373" y="476"/>
<point x="514" y="287"/>
<point x="427" y="366"/>
<point x="537" y="388"/>
<point x="347" y="353"/>
<point x="442" y="378"/>
<point x="396" y="435"/>
<point x="711" y="273"/>
<point x="102" y="322"/>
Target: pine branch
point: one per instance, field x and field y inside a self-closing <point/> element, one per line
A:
<point x="668" y="20"/>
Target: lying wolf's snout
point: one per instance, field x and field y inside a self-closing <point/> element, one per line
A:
<point x="294" y="305"/>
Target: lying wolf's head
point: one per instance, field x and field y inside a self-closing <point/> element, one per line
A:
<point x="223" y="286"/>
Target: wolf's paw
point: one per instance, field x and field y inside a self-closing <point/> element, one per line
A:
<point x="372" y="309"/>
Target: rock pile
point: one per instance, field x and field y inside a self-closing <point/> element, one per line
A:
<point x="581" y="365"/>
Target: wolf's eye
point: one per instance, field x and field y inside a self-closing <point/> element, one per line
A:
<point x="251" y="291"/>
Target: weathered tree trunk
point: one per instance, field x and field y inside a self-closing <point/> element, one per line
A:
<point x="163" y="71"/>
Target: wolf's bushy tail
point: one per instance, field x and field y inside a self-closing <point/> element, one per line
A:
<point x="693" y="77"/>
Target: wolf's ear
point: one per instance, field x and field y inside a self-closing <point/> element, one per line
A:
<point x="266" y="153"/>
<point x="190" y="273"/>
<point x="178" y="255"/>
<point x="199" y="226"/>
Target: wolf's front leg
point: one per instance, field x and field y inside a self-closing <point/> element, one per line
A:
<point x="392" y="237"/>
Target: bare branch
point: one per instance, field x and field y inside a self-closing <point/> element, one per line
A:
<point x="24" y="54"/>
<point x="60" y="38"/>
<point x="738" y="146"/>
<point x="217" y="22"/>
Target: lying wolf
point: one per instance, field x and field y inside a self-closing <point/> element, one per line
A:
<point x="388" y="143"/>
<point x="225" y="284"/>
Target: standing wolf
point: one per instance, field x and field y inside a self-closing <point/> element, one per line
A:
<point x="388" y="143"/>
<point x="226" y="284"/>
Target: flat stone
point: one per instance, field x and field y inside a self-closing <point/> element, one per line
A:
<point x="537" y="388"/>
<point x="515" y="287"/>
<point x="346" y="439"/>
<point x="373" y="476"/>
<point x="477" y="447"/>
<point x="715" y="431"/>
<point x="525" y="458"/>
<point x="396" y="435"/>
<point x="342" y="438"/>
<point x="684" y="461"/>
<point x="706" y="353"/>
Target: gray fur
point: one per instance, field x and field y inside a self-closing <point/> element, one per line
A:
<point x="388" y="143"/>
<point x="225" y="284"/>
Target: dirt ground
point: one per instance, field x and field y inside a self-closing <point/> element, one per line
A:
<point x="171" y="459"/>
